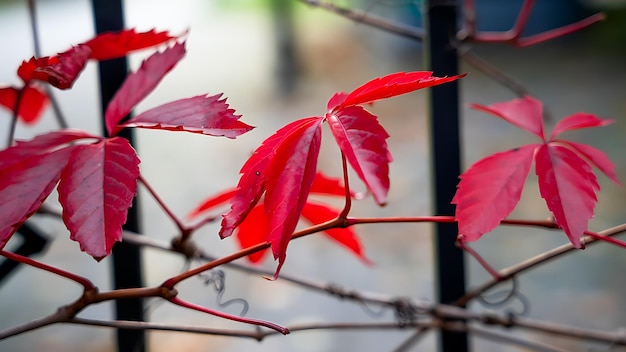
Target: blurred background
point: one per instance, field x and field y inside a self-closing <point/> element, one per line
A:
<point x="237" y="47"/>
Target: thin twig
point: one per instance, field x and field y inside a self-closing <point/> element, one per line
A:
<point x="258" y="335"/>
<point x="492" y="72"/>
<point x="16" y="112"/>
<point x="346" y="182"/>
<point x="494" y="273"/>
<point x="513" y="340"/>
<point x="57" y="317"/>
<point x="188" y="305"/>
<point x="87" y="285"/>
<point x="171" y="282"/>
<point x="413" y="339"/>
<point x="183" y="230"/>
<point x="369" y="19"/>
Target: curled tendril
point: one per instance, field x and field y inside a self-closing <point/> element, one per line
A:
<point x="506" y="297"/>
<point x="217" y="279"/>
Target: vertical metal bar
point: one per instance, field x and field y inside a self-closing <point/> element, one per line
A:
<point x="440" y="23"/>
<point x="127" y="273"/>
<point x="286" y="61"/>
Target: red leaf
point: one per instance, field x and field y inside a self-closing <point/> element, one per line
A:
<point x="490" y="189"/>
<point x="336" y="100"/>
<point x="283" y="167"/>
<point x="252" y="231"/>
<point x="29" y="170"/>
<point x="319" y="213"/>
<point x="321" y="185"/>
<point x="139" y="84"/>
<point x="96" y="190"/>
<point x="578" y="121"/>
<point x="60" y="70"/>
<point x="27" y="68"/>
<point x="597" y="157"/>
<point x="201" y="114"/>
<point x="362" y="140"/>
<point x="117" y="44"/>
<point x="254" y="174"/>
<point x="526" y="113"/>
<point x="331" y="186"/>
<point x="568" y="185"/>
<point x="8" y="95"/>
<point x="32" y="104"/>
<point x="24" y="185"/>
<point x="289" y="182"/>
<point x="386" y="87"/>
<point x="212" y="202"/>
<point x="41" y="144"/>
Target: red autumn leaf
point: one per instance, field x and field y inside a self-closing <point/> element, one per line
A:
<point x="335" y="100"/>
<point x="139" y="84"/>
<point x="212" y="202"/>
<point x="254" y="174"/>
<point x="388" y="86"/>
<point x="568" y="185"/>
<point x="319" y="213"/>
<point x="490" y="190"/>
<point x="331" y="186"/>
<point x="578" y="121"/>
<point x="24" y="185"/>
<point x="96" y="190"/>
<point x="288" y="185"/>
<point x="29" y="170"/>
<point x="45" y="143"/>
<point x="112" y="45"/>
<point x="566" y="180"/>
<point x="32" y="104"/>
<point x="200" y="114"/>
<point x="26" y="69"/>
<point x="283" y="167"/>
<point x="60" y="70"/>
<point x="322" y="185"/>
<point x="363" y="141"/>
<point x="252" y="231"/>
<point x="597" y="157"/>
<point x="526" y="113"/>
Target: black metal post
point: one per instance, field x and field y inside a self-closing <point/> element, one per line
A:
<point x="286" y="60"/>
<point x="440" y="18"/>
<point x="127" y="273"/>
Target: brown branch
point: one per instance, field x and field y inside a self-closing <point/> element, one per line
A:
<point x="258" y="335"/>
<point x="491" y="71"/>
<point x="511" y="339"/>
<point x="183" y="230"/>
<point x="369" y="19"/>
<point x="57" y="317"/>
<point x="444" y="316"/>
